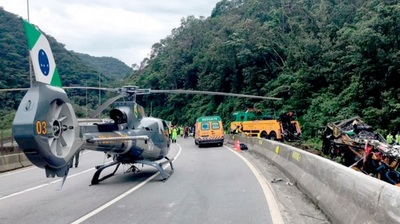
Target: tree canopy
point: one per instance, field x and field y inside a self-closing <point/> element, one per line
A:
<point x="328" y="60"/>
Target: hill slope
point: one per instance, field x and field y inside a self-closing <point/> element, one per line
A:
<point x="109" y="66"/>
<point x="328" y="60"/>
<point x="14" y="69"/>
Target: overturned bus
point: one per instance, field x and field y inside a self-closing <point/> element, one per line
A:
<point x="355" y="144"/>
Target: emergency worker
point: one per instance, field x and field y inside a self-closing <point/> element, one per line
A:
<point x="389" y="138"/>
<point x="174" y="134"/>
<point x="397" y="138"/>
<point x="236" y="130"/>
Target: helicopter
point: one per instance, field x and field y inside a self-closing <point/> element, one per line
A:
<point x="49" y="134"/>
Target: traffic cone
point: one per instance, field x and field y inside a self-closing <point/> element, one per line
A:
<point x="237" y="145"/>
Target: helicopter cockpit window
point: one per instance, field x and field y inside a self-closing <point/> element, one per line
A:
<point x="165" y="126"/>
<point x="205" y="126"/>
<point x="215" y="125"/>
<point x="160" y="127"/>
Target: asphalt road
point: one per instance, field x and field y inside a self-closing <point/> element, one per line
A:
<point x="209" y="185"/>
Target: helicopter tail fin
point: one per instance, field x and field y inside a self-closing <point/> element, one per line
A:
<point x="41" y="55"/>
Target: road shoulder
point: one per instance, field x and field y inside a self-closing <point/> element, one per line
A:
<point x="294" y="205"/>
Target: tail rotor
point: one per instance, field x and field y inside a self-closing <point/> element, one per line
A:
<point x="46" y="129"/>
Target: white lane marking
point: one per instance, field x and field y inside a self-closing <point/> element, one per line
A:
<point x="44" y="185"/>
<point x="113" y="201"/>
<point x="276" y="215"/>
<point x="21" y="170"/>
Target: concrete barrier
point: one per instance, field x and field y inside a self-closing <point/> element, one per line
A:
<point x="343" y="194"/>
<point x="24" y="160"/>
<point x="2" y="166"/>
<point x="11" y="162"/>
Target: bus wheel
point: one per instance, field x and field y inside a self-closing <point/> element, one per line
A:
<point x="272" y="136"/>
<point x="264" y="134"/>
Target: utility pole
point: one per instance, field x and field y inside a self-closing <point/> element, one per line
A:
<point x="29" y="58"/>
<point x="99" y="94"/>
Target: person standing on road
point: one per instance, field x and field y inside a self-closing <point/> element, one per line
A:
<point x="174" y="134"/>
<point x="186" y="132"/>
<point x="76" y="158"/>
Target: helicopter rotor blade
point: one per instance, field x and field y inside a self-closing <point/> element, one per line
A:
<point x="88" y="87"/>
<point x="14" y="89"/>
<point x="70" y="87"/>
<point x="181" y="91"/>
<point x="104" y="106"/>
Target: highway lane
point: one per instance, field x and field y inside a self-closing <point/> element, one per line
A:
<point x="209" y="185"/>
<point x="41" y="202"/>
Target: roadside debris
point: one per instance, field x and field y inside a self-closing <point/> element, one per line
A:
<point x="276" y="180"/>
<point x="243" y="146"/>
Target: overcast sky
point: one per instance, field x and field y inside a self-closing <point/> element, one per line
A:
<point x="124" y="29"/>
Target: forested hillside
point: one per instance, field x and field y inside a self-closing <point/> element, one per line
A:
<point x="328" y="59"/>
<point x="111" y="67"/>
<point x="14" y="70"/>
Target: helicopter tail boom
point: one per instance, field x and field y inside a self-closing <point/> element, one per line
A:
<point x="119" y="139"/>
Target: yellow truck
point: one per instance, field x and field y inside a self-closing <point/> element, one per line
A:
<point x="254" y="123"/>
<point x="209" y="130"/>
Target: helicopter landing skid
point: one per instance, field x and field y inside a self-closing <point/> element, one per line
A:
<point x="159" y="166"/>
<point x="96" y="180"/>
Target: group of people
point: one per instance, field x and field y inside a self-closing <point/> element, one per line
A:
<point x="393" y="140"/>
<point x="184" y="132"/>
<point x="381" y="166"/>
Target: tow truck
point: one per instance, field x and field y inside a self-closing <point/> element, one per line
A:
<point x="255" y="123"/>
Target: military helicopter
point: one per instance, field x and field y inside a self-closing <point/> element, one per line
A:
<point x="49" y="134"/>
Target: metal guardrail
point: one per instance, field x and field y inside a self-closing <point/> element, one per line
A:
<point x="8" y="150"/>
<point x="8" y="145"/>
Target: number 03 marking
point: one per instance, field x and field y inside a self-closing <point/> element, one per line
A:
<point x="41" y="127"/>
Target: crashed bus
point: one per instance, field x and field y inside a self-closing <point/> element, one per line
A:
<point x="355" y="144"/>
